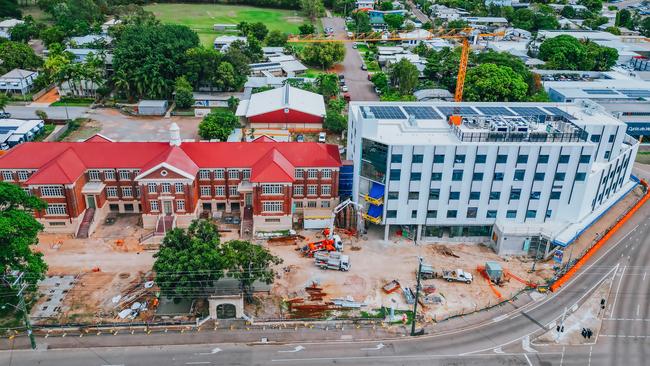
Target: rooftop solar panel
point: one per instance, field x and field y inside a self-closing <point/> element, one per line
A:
<point x="495" y="111"/>
<point x="558" y="112"/>
<point x="528" y="111"/>
<point x="636" y="93"/>
<point x="599" y="91"/>
<point x="464" y="111"/>
<point x="422" y="112"/>
<point x="387" y="112"/>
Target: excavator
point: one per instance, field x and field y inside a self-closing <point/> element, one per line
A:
<point x="332" y="242"/>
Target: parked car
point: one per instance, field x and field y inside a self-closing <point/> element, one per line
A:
<point x="350" y="34"/>
<point x="346" y="96"/>
<point x="5" y="115"/>
<point x="300" y="138"/>
<point x="378" y="91"/>
<point x="364" y="67"/>
<point x="321" y="137"/>
<point x="344" y="88"/>
<point x="354" y="45"/>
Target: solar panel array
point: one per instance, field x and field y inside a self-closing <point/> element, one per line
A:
<point x="636" y="93"/>
<point x="528" y="111"/>
<point x="558" y="112"/>
<point x="387" y="112"/>
<point x="422" y="112"/>
<point x="495" y="111"/>
<point x="464" y="111"/>
<point x="600" y="91"/>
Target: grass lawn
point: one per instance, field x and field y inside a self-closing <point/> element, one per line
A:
<point x="202" y="17"/>
<point x="73" y="102"/>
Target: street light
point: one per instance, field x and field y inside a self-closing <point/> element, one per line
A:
<point x="28" y="324"/>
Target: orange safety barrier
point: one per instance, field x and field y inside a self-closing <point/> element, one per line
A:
<point x="517" y="278"/>
<point x="590" y="253"/>
<point x="484" y="274"/>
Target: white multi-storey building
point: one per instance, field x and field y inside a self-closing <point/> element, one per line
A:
<point x="526" y="177"/>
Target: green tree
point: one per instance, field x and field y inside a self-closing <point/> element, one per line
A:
<point x="189" y="262"/>
<point x="492" y="83"/>
<point x="362" y="22"/>
<point x="200" y="67"/>
<point x="386" y="5"/>
<point x="4" y="101"/>
<point x="306" y="29"/>
<point x="457" y="24"/>
<point x="381" y="81"/>
<point x="10" y="9"/>
<point x="568" y="12"/>
<point x="258" y="30"/>
<point x="327" y="85"/>
<point x="404" y="76"/>
<point x="226" y="78"/>
<point x="593" y="5"/>
<point x="276" y="38"/>
<point x="645" y="27"/>
<point x="442" y="67"/>
<point x="335" y="121"/>
<point x="17" y="55"/>
<point x="233" y="102"/>
<point x="603" y="57"/>
<point x="568" y="53"/>
<point x="218" y="125"/>
<point x="324" y="54"/>
<point x="624" y="19"/>
<point x="613" y="30"/>
<point x="25" y="31"/>
<point x="53" y="34"/>
<point x="394" y="21"/>
<point x="18" y="232"/>
<point x="249" y="262"/>
<point x="312" y="8"/>
<point x="183" y="93"/>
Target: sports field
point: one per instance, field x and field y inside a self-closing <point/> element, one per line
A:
<point x="202" y="17"/>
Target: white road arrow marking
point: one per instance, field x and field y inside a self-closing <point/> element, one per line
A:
<point x="525" y="344"/>
<point x="376" y="348"/>
<point x="297" y="349"/>
<point x="214" y="351"/>
<point x="498" y="350"/>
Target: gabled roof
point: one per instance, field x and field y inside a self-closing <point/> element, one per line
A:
<point x="98" y="137"/>
<point x="285" y="97"/>
<point x="264" y="138"/>
<point x="174" y="159"/>
<point x="273" y="168"/>
<point x="64" y="168"/>
<point x="17" y="74"/>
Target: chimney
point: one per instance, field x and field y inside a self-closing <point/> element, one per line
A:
<point x="174" y="135"/>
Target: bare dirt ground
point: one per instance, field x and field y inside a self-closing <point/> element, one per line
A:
<point x="104" y="266"/>
<point x="375" y="263"/>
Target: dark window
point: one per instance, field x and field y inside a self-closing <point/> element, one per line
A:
<point x="560" y="176"/>
<point x="414" y="214"/>
<point x="535" y="195"/>
<point x="457" y="175"/>
<point x="607" y="153"/>
<point x="549" y="213"/>
<point x="511" y="214"/>
<point x="491" y="214"/>
<point x="502" y="159"/>
<point x="434" y="194"/>
<point x="418" y="158"/>
<point x="414" y="195"/>
<point x="451" y="214"/>
<point x="432" y="214"/>
<point x="611" y="138"/>
<point x="522" y="159"/>
<point x="459" y="159"/>
<point x="471" y="212"/>
<point x="415" y="176"/>
<point x="396" y="158"/>
<point x="539" y="176"/>
<point x="394" y="174"/>
<point x="595" y="138"/>
<point x="438" y="158"/>
<point x="515" y="194"/>
<point x="495" y="195"/>
<point x="477" y="176"/>
<point x="391" y="214"/>
<point x="585" y="158"/>
<point x="393" y="195"/>
<point x="543" y="159"/>
<point x="480" y="159"/>
<point x="531" y="214"/>
<point x="519" y="174"/>
<point x="436" y="177"/>
<point x="555" y="195"/>
<point x="581" y="176"/>
<point x="498" y="176"/>
<point x="474" y="195"/>
<point x="564" y="159"/>
<point x="454" y="195"/>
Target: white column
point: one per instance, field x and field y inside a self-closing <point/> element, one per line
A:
<point x="386" y="231"/>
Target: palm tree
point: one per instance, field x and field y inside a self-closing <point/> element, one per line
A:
<point x="4" y="101"/>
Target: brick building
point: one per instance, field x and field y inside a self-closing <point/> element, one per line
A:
<point x="172" y="183"/>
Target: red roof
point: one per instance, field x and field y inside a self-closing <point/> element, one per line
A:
<point x="264" y="138"/>
<point x="273" y="167"/>
<point x="64" y="162"/>
<point x="98" y="138"/>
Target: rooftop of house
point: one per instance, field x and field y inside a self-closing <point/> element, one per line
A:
<point x="281" y="98"/>
<point x="421" y="123"/>
<point x="18" y="74"/>
<point x="10" y="23"/>
<point x="228" y="39"/>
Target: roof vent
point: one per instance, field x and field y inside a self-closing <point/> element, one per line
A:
<point x="286" y="94"/>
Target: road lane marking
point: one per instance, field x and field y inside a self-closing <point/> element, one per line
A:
<point x="525" y="344"/>
<point x="590" y="349"/>
<point x="498" y="350"/>
<point x="500" y="318"/>
<point x="611" y="312"/>
<point x="644" y="273"/>
<point x="562" y="358"/>
<point x="398" y="357"/>
<point x="376" y="348"/>
<point x="628" y="319"/>
<point x="198" y="363"/>
<point x="527" y="359"/>
<point x="296" y="349"/>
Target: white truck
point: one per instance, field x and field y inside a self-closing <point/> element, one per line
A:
<point x="332" y="260"/>
<point x="457" y="275"/>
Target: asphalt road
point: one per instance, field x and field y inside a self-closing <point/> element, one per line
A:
<point x="418" y="13"/>
<point x="61" y="113"/>
<point x="360" y="88"/>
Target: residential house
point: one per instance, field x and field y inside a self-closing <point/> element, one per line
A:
<point x="6" y="26"/>
<point x="18" y="81"/>
<point x="365" y="4"/>
<point x="222" y="43"/>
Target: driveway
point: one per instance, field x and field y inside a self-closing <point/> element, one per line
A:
<point x="60" y="113"/>
<point x="360" y="88"/>
<point x="120" y="127"/>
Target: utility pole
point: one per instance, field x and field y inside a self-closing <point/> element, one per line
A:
<point x="417" y="295"/>
<point x="22" y="307"/>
